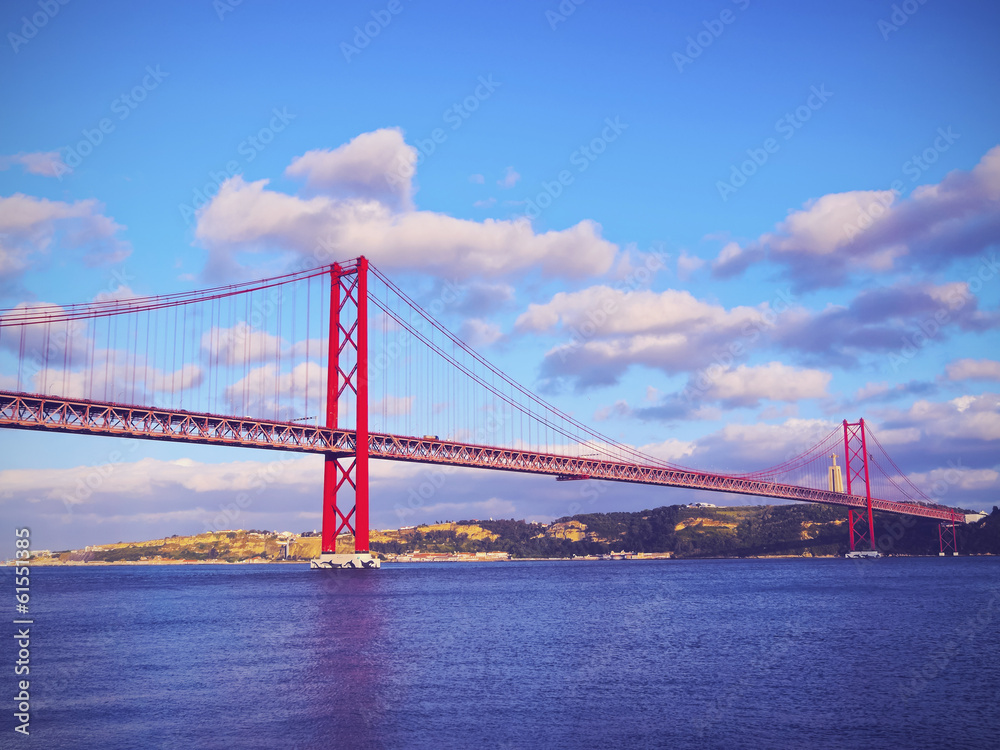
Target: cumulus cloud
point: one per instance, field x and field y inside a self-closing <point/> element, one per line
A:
<point x="31" y="228"/>
<point x="611" y="329"/>
<point x="350" y="209"/>
<point x="830" y="238"/>
<point x="367" y="167"/>
<point x="747" y="385"/>
<point x="44" y="163"/>
<point x="734" y="387"/>
<point x="238" y="344"/>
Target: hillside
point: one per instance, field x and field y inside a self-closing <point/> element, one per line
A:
<point x="687" y="531"/>
<point x="682" y="530"/>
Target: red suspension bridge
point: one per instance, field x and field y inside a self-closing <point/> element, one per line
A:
<point x="338" y="360"/>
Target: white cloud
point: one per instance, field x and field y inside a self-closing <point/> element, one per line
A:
<point x="376" y="165"/>
<point x="509" y="179"/>
<point x="358" y="203"/>
<point x="612" y="329"/>
<point x="687" y="265"/>
<point x="248" y="217"/>
<point x="44" y="163"/>
<point x="965" y="417"/>
<point x="746" y="385"/>
<point x="238" y="344"/>
<point x="392" y="406"/>
<point x="31" y="227"/>
<point x="974" y="369"/>
<point x="479" y="333"/>
<point x="965" y="479"/>
<point x="833" y="236"/>
<point x="477" y="179"/>
<point x="266" y="391"/>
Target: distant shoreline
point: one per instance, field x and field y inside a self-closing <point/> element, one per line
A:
<point x="145" y="563"/>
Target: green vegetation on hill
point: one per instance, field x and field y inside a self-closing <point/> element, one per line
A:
<point x="684" y="531"/>
<point x="743" y="531"/>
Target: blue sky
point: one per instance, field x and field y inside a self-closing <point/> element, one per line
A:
<point x="831" y="171"/>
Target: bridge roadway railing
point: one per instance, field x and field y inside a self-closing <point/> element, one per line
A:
<point x="36" y="412"/>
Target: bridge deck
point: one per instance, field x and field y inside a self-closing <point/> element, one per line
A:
<point x="35" y="412"/>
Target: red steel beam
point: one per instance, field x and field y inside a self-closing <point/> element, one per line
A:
<point x="33" y="412"/>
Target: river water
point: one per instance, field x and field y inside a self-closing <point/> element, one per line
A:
<point x="894" y="653"/>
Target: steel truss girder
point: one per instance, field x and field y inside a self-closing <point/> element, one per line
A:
<point x="35" y="412"/>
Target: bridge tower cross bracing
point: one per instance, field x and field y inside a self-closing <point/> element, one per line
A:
<point x="347" y="375"/>
<point x="856" y="447"/>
